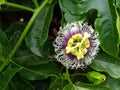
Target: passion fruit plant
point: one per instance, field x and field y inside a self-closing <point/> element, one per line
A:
<point x="59" y="44"/>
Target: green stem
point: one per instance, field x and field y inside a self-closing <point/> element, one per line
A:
<point x="4" y="64"/>
<point x="35" y="3"/>
<point x="27" y="28"/>
<point x="23" y="35"/>
<point x="18" y="6"/>
<point x="78" y="74"/>
<point x="68" y="77"/>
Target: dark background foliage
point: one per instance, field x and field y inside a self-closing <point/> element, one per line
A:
<point x="26" y="52"/>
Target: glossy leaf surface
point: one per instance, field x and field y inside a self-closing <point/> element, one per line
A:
<point x="35" y="67"/>
<point x="113" y="83"/>
<point x="39" y="30"/>
<point x="6" y="76"/>
<point x="109" y="64"/>
<point x="6" y="47"/>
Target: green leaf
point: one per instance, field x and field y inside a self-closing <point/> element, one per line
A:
<point x="6" y="47"/>
<point x="39" y="30"/>
<point x="107" y="20"/>
<point x="113" y="83"/>
<point x="35" y="67"/>
<point x="71" y="18"/>
<point x="71" y="6"/>
<point x="118" y="24"/>
<point x="57" y="83"/>
<point x="118" y="3"/>
<point x="118" y="27"/>
<point x="106" y="63"/>
<point x="48" y="49"/>
<point x="6" y="76"/>
<point x="41" y="84"/>
<point x="27" y="3"/>
<point x="82" y="86"/>
<point x="17" y="83"/>
<point x="14" y="31"/>
<point x="40" y="71"/>
<point x="1" y="55"/>
<point x="25" y="58"/>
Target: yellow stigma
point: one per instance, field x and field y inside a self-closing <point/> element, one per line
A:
<point x="77" y="45"/>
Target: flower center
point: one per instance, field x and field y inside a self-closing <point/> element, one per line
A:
<point x="77" y="45"/>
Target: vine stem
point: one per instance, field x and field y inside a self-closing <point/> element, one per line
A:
<point x="27" y="28"/>
<point x="36" y="12"/>
<point x="35" y="3"/>
<point x="4" y="64"/>
<point x="78" y="74"/>
<point x="68" y="78"/>
<point x="18" y="6"/>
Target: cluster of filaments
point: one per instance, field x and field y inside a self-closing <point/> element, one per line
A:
<point x="76" y="45"/>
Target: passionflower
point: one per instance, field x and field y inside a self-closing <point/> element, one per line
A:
<point x="76" y="45"/>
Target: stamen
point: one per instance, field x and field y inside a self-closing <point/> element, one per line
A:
<point x="77" y="45"/>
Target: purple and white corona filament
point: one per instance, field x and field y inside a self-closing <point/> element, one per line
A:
<point x="76" y="45"/>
